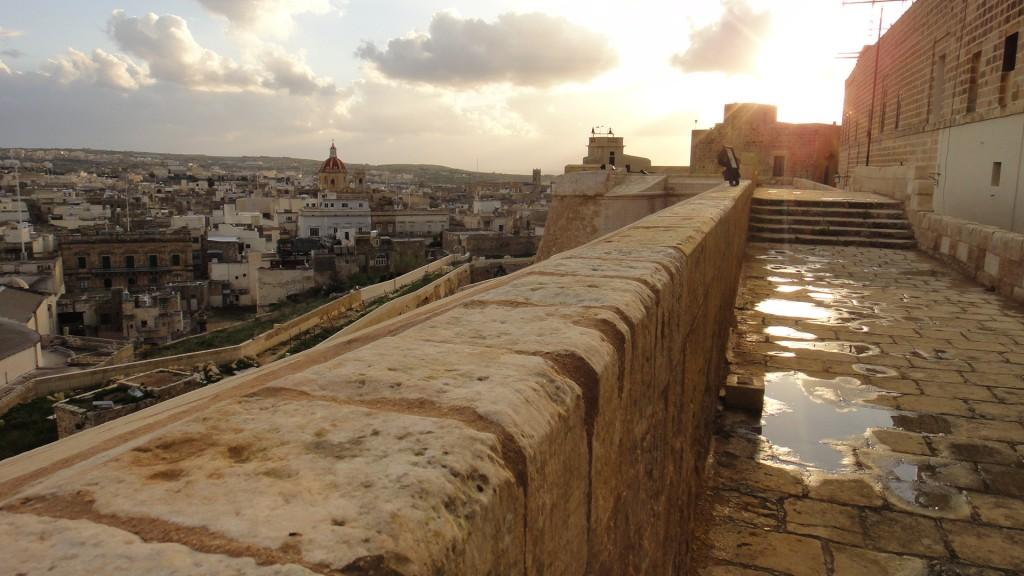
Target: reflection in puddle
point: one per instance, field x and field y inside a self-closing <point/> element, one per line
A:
<point x="787" y="332"/>
<point x="912" y="485"/>
<point x="851" y="348"/>
<point x="779" y="279"/>
<point x="789" y="289"/>
<point x="873" y="370"/>
<point x="793" y="309"/>
<point x="818" y="410"/>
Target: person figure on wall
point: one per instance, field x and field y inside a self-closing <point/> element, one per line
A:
<point x="728" y="159"/>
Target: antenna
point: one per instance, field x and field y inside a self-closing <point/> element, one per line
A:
<point x="21" y="219"/>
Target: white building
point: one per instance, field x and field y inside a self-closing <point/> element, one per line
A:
<point x="334" y="216"/>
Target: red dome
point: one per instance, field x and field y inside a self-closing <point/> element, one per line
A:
<point x="333" y="164"/>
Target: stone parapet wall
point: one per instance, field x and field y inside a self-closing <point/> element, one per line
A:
<point x="992" y="256"/>
<point x="553" y="421"/>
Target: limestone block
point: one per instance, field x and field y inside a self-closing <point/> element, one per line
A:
<point x="744" y="392"/>
<point x="945" y="245"/>
<point x="537" y="413"/>
<point x="320" y="483"/>
<point x="963" y="252"/>
<point x="75" y="547"/>
<point x="1008" y="245"/>
<point x="991" y="266"/>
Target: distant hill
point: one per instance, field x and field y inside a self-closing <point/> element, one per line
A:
<point x="115" y="160"/>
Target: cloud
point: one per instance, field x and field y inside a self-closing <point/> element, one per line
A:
<point x="172" y="54"/>
<point x="286" y="72"/>
<point x="167" y="46"/>
<point x="8" y="33"/>
<point x="102" y="68"/>
<point x="12" y="53"/>
<point x="525" y="49"/>
<point x="273" y="17"/>
<point x="730" y="45"/>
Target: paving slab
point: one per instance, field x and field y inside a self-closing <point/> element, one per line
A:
<point x="890" y="439"/>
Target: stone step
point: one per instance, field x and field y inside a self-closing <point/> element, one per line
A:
<point x="860" y="231"/>
<point x="831" y="240"/>
<point x="856" y="204"/>
<point x="827" y="212"/>
<point x="821" y="221"/>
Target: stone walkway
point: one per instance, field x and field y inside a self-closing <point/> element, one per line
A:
<point x="891" y="440"/>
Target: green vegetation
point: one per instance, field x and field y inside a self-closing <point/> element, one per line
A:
<point x="238" y="333"/>
<point x="311" y="338"/>
<point x="27" y="426"/>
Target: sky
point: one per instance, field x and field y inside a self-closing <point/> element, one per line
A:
<point x="494" y="85"/>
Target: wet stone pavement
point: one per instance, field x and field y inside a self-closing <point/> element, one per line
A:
<point x="891" y="439"/>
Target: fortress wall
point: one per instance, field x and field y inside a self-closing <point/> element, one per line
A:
<point x="553" y="421"/>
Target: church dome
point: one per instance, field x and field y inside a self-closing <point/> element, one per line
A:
<point x="333" y="164"/>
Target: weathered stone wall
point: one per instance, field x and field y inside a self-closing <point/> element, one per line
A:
<point x="587" y="205"/>
<point x="988" y="254"/>
<point x="924" y="81"/>
<point x="992" y="256"/>
<point x="553" y="421"/>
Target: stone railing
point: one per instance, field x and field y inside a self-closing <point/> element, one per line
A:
<point x="990" y="255"/>
<point x="553" y="421"/>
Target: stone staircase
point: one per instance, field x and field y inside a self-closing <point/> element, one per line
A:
<point x="837" y="222"/>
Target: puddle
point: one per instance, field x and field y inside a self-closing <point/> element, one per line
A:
<point x="876" y="371"/>
<point x="783" y="354"/>
<point x="788" y="289"/>
<point x="787" y="332"/>
<point x="851" y="348"/>
<point x="810" y="416"/>
<point x="913" y="486"/>
<point x="794" y="309"/>
<point x="779" y="279"/>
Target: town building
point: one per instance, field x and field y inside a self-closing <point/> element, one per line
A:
<point x="609" y="150"/>
<point x="101" y="261"/>
<point x="940" y="94"/>
<point x="768" y="149"/>
<point x="20" y="350"/>
<point x="35" y="310"/>
<point x="410" y="223"/>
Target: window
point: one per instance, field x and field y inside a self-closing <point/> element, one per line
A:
<point x="881" y="116"/>
<point x="105" y="262"/>
<point x="83" y="284"/>
<point x="344" y="204"/>
<point x="997" y="173"/>
<point x="129" y="261"/>
<point x="972" y="83"/>
<point x="938" y="89"/>
<point x="105" y="319"/>
<point x="175" y="259"/>
<point x="314" y="231"/>
<point x="899" y="109"/>
<point x="779" y="167"/>
<point x="107" y="283"/>
<point x="131" y="280"/>
<point x="611" y="158"/>
<point x="145" y="323"/>
<point x="346" y="235"/>
<point x="1010" y="53"/>
<point x="381" y="260"/>
<point x="81" y="262"/>
<point x="154" y="261"/>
